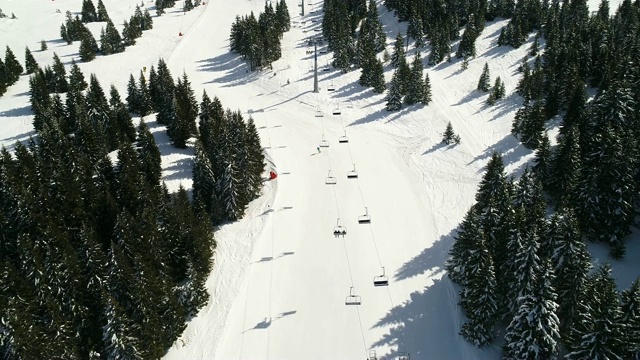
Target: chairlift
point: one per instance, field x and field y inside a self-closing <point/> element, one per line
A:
<point x="319" y="112"/>
<point x="352" y="174"/>
<point x="323" y="142"/>
<point x="364" y="219"/>
<point x="337" y="111"/>
<point x="381" y="280"/>
<point x="352" y="298"/>
<point x="339" y="230"/>
<point x="372" y="355"/>
<point x="343" y="139"/>
<point x="330" y="180"/>
<point x="331" y="87"/>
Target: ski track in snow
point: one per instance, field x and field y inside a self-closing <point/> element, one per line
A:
<point x="280" y="277"/>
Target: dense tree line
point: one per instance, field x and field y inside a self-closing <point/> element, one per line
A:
<point x="97" y="258"/>
<point x="229" y="162"/>
<point x="530" y="272"/>
<point x="111" y="41"/>
<point x="258" y="40"/>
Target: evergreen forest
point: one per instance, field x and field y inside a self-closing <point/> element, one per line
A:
<point x="98" y="260"/>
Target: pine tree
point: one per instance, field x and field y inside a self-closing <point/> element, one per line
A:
<point x="533" y="332"/>
<point x="186" y="110"/>
<point x="102" y="14"/>
<point x="43" y="45"/>
<point x="88" y="47"/>
<point x="110" y="40"/>
<point x="255" y="156"/>
<point x="630" y="307"/>
<point x="415" y="85"/>
<point x="88" y="12"/>
<point x="76" y="78"/>
<point x="542" y="161"/>
<point x="13" y="66"/>
<point x="144" y="96"/>
<point x="483" y="82"/>
<point x="30" y="63"/>
<point x="449" y="137"/>
<point x="598" y="332"/>
<point x="4" y="78"/>
<point x="133" y="96"/>
<point x="148" y="155"/>
<point x="398" y="51"/>
<point x="394" y="94"/>
<point x="204" y="182"/>
<point x="426" y="98"/>
<point x="478" y="299"/>
<point x="464" y="246"/>
<point x="60" y="84"/>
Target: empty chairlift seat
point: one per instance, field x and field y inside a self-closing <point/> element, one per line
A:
<point x="352" y="174"/>
<point x="343" y="139"/>
<point x="381" y="280"/>
<point x="352" y="298"/>
<point x="331" y="87"/>
<point x="364" y="219"/>
<point x="323" y="142"/>
<point x="330" y="180"/>
<point x="319" y="112"/>
<point x="336" y="111"/>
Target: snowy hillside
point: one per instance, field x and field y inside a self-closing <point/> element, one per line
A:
<point x="281" y="277"/>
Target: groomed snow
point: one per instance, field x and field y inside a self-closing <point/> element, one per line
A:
<point x="280" y="278"/>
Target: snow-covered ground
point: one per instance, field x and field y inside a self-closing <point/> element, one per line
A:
<point x="281" y="278"/>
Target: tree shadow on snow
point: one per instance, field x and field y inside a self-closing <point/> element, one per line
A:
<point x="511" y="150"/>
<point x="21" y="111"/>
<point x="426" y="325"/>
<point x="234" y="69"/>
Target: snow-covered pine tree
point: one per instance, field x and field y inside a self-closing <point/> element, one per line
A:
<point x="204" y="182"/>
<point x="426" y="98"/>
<point x="533" y="331"/>
<point x="463" y="247"/>
<point x="631" y="319"/>
<point x="148" y="154"/>
<point x="398" y="51"/>
<point x="88" y="12"/>
<point x="415" y="85"/>
<point x="133" y="96"/>
<point x="30" y="62"/>
<point x="597" y="332"/>
<point x="14" y="67"/>
<point x="88" y="47"/>
<point x="59" y="80"/>
<point x="478" y="299"/>
<point x="77" y="82"/>
<point x="485" y="79"/>
<point x="394" y="93"/>
<point x="144" y="96"/>
<point x="102" y="14"/>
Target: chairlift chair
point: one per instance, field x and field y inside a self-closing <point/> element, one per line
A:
<point x="323" y="142"/>
<point x="330" y="180"/>
<point x="372" y="355"/>
<point x="331" y="87"/>
<point x="343" y="139"/>
<point x="382" y="280"/>
<point x="339" y="230"/>
<point x="364" y="219"/>
<point x="319" y="112"/>
<point x="352" y="298"/>
<point x="352" y="174"/>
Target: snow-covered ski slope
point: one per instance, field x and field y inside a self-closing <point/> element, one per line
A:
<point x="281" y="277"/>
